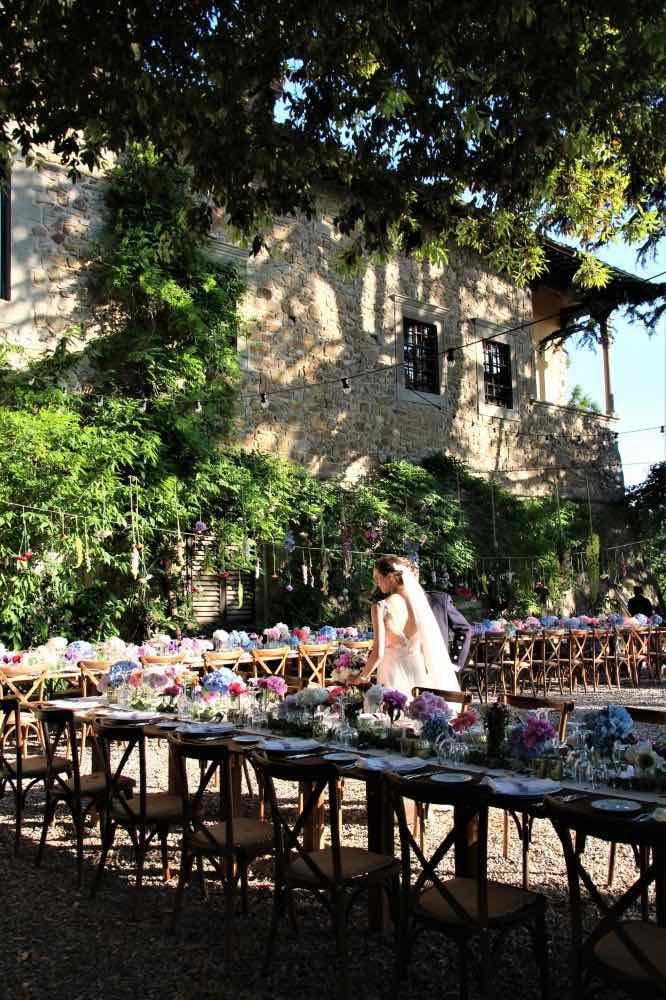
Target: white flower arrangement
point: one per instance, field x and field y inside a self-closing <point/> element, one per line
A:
<point x="311" y="697"/>
<point x="374" y="697"/>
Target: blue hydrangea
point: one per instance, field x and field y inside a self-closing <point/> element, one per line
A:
<point x="435" y="727"/>
<point x="608" y="725"/>
<point x="80" y="650"/>
<point x="328" y="632"/>
<point x="219" y="680"/>
<point x="120" y="671"/>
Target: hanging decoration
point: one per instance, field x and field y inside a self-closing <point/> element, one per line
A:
<point x="274" y="575"/>
<point x="325" y="563"/>
<point x="412" y="551"/>
<point x="78" y="546"/>
<point x="289" y="542"/>
<point x="347" y="547"/>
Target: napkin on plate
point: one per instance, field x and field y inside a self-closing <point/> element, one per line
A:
<point x="525" y="786"/>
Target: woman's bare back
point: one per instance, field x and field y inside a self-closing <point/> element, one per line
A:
<point x="400" y="624"/>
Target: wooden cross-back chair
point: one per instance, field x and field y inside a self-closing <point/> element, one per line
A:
<point x="270" y="661"/>
<point x="625" y="954"/>
<point x="313" y="660"/>
<point x="551" y="660"/>
<point x="462" y="698"/>
<point x="488" y="671"/>
<point x="523" y="645"/>
<point x="467" y="907"/>
<point x="524" y="820"/>
<point x="657" y="652"/>
<point x="146" y="816"/>
<point x="230" y="844"/>
<point x="162" y="661"/>
<point x="633" y="651"/>
<point x="80" y="793"/>
<point x="334" y="875"/>
<point x="26" y="684"/>
<point x="230" y="658"/>
<point x="91" y="673"/>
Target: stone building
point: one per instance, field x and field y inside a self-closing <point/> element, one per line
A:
<point x="354" y="369"/>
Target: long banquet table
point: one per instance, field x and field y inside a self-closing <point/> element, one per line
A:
<point x="380" y="821"/>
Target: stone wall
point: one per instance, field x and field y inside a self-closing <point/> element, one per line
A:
<point x="305" y="322"/>
<point x="54" y="223"/>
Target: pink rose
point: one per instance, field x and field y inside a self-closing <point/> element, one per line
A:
<point x="135" y="678"/>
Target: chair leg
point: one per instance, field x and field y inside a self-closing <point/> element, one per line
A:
<point x="505" y="836"/>
<point x="202" y="877"/>
<point x="611" y="865"/>
<point x="108" y="831"/>
<point x="340" y="917"/>
<point x="278" y="912"/>
<point x="464" y="974"/>
<point x="487" y="981"/>
<point x="18" y="810"/>
<point x="231" y="884"/>
<point x="183" y="878"/>
<point x="526" y="824"/>
<point x="164" y="848"/>
<point x="49" y="812"/>
<point x="541" y="953"/>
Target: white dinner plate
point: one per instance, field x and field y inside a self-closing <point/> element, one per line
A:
<point x="205" y="728"/>
<point x="248" y="739"/>
<point x="531" y="788"/>
<point x="292" y="745"/>
<point x="450" y="777"/>
<point x="403" y="766"/>
<point x="341" y="758"/>
<point x="616" y="805"/>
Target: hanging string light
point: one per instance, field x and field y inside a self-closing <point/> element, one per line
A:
<point x="346" y="386"/>
<point x="264" y="400"/>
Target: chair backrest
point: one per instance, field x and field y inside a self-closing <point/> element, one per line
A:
<point x="526" y="703"/>
<point x="150" y="661"/>
<point x="270" y="661"/>
<point x="359" y="644"/>
<point x="223" y="657"/>
<point x="213" y="758"/>
<point x="463" y="698"/>
<point x="471" y="800"/>
<point x="132" y="739"/>
<point x="314" y="658"/>
<point x="568" y="818"/>
<point x="287" y="830"/>
<point x="11" y="723"/>
<point x="59" y="740"/>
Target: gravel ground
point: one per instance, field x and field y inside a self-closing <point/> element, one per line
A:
<point x="55" y="938"/>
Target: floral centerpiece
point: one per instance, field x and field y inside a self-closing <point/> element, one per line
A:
<point x="532" y="738"/>
<point x="394" y="703"/>
<point x="347" y="667"/>
<point x="118" y="675"/>
<point x="465" y="720"/>
<point x="427" y="705"/>
<point x="277" y="633"/>
<point x="608" y="725"/>
<point x="270" y="689"/>
<point x="312" y="697"/>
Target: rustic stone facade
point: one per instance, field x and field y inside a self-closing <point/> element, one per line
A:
<point x="307" y="323"/>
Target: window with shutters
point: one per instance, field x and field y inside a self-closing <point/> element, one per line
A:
<point x="420" y="356"/>
<point x="497" y="380"/>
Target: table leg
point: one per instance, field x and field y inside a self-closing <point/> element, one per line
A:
<point x="466" y="837"/>
<point x="380" y="840"/>
<point x="313" y="831"/>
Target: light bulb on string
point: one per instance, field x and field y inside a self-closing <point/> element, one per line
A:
<point x="264" y="401"/>
<point x="198" y="407"/>
<point x="346" y="386"/>
<point x="450" y="357"/>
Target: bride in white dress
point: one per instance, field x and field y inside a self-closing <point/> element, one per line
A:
<point x="408" y="650"/>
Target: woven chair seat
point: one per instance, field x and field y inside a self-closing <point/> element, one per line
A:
<point x="160" y="808"/>
<point x="504" y="901"/>
<point x="355" y="862"/>
<point x="248" y="834"/>
<point x="37" y="766"/>
<point x="651" y="939"/>
<point x="95" y="784"/>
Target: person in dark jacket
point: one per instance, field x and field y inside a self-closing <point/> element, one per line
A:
<point x="450" y="620"/>
<point x="639" y="604"/>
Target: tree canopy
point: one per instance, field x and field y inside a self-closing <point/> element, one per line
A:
<point x="431" y="122"/>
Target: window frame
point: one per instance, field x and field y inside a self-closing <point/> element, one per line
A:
<point x="425" y="377"/>
<point x="497" y="384"/>
<point x="486" y="330"/>
<point x="6" y="240"/>
<point x="420" y="312"/>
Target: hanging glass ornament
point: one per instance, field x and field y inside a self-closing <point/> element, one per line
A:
<point x="274" y="575"/>
<point x="347" y="547"/>
<point x="241" y="591"/>
<point x="257" y="568"/>
<point x="135" y="561"/>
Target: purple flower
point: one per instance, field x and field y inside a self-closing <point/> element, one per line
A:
<point x="276" y="685"/>
<point x="427" y="705"/>
<point x="394" y="702"/>
<point x="200" y="527"/>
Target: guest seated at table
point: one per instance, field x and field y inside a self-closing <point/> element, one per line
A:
<point x="639" y="604"/>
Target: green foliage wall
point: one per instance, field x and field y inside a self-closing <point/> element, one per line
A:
<point x="133" y="465"/>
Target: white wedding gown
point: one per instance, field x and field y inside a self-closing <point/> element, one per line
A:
<point x="404" y="666"/>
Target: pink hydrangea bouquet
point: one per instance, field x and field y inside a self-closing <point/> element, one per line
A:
<point x="347" y="666"/>
<point x="426" y="705"/>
